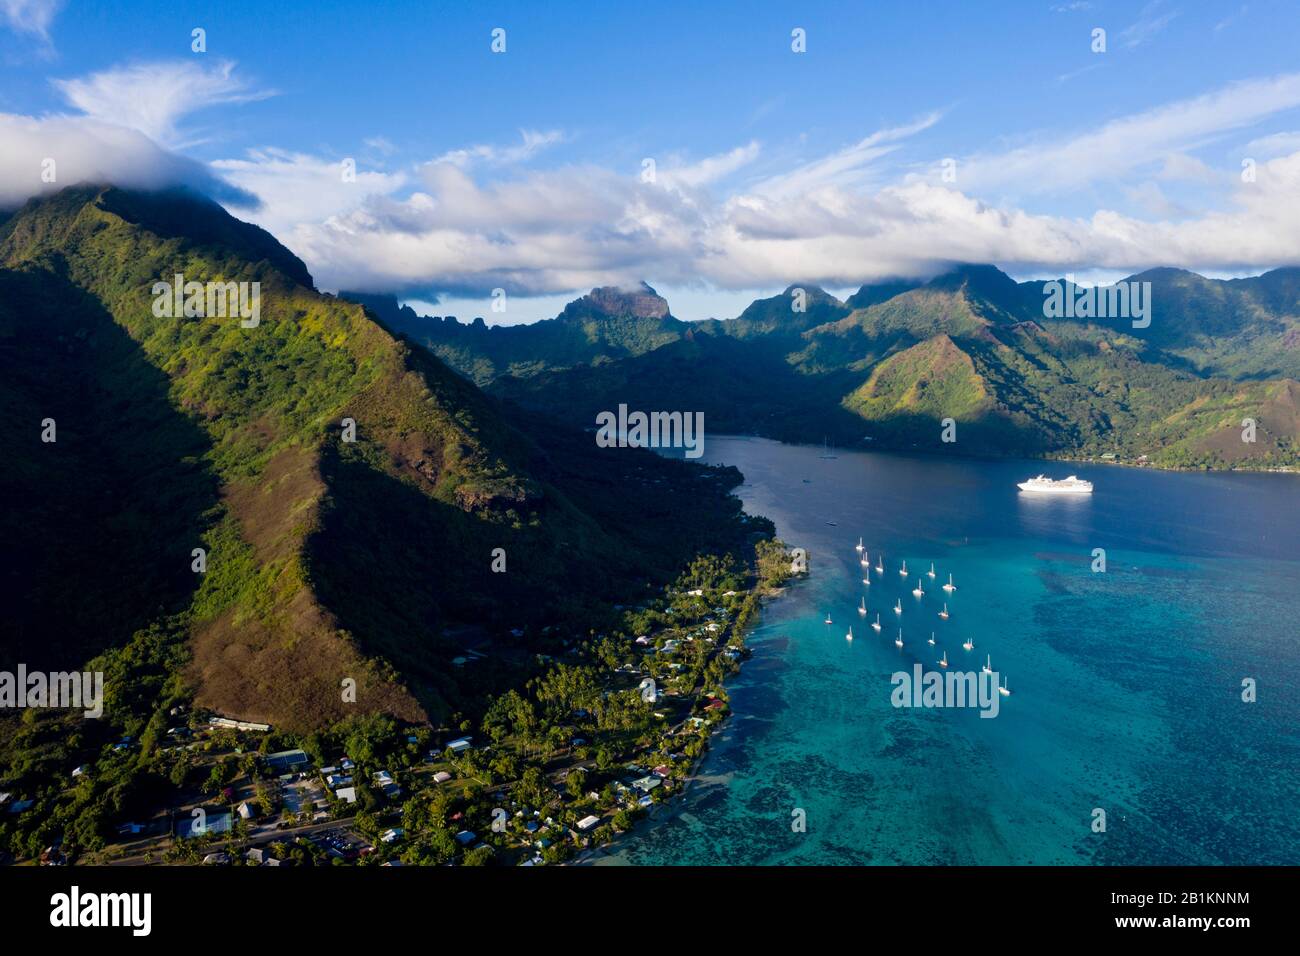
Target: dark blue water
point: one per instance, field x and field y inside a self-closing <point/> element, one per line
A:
<point x="1126" y="685"/>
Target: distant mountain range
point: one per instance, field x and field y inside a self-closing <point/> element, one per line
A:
<point x="888" y="366"/>
<point x="325" y="558"/>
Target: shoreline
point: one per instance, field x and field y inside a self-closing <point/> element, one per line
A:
<point x="860" y="448"/>
<point x="663" y="813"/>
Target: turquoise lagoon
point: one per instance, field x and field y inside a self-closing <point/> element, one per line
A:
<point x="1126" y="685"/>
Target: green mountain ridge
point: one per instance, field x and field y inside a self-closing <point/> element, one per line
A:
<point x="1176" y="393"/>
<point x="326" y="559"/>
<point x="604" y="325"/>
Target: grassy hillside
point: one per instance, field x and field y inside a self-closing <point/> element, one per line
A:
<point x="325" y="559"/>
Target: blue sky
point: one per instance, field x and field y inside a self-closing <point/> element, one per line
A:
<point x="523" y="170"/>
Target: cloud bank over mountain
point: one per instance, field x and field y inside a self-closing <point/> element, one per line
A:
<point x="491" y="215"/>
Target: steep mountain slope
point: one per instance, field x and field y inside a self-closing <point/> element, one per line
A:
<point x="608" y="323"/>
<point x="787" y="315"/>
<point x="964" y="302"/>
<point x="1239" y="328"/>
<point x="740" y="385"/>
<point x="974" y="346"/>
<point x="1236" y="328"/>
<point x="326" y="558"/>
<point x="875" y="292"/>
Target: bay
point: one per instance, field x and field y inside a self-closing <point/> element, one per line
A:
<point x="1126" y="684"/>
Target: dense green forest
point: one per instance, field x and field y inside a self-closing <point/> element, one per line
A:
<point x="237" y="518"/>
<point x="888" y="366"/>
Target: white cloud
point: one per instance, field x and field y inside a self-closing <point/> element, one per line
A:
<point x="1064" y="78"/>
<point x="478" y="219"/>
<point x="30" y="16"/>
<point x="1276" y="144"/>
<point x="531" y="143"/>
<point x="575" y="227"/>
<point x="380" y="144"/>
<point x="1116" y="148"/>
<point x="86" y="150"/>
<point x="154" y="97"/>
<point x="710" y="169"/>
<point x="302" y="189"/>
<point x="846" y="167"/>
<point x="1151" y="20"/>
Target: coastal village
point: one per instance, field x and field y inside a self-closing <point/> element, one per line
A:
<point x="550" y="774"/>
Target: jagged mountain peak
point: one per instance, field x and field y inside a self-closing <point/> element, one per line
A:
<point x="872" y="293"/>
<point x="639" y="302"/>
<point x="978" y="279"/>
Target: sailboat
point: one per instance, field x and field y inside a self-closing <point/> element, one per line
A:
<point x="903" y="569"/>
<point x="950" y="587"/>
<point x="876" y="626"/>
<point x="899" y="640"/>
<point x="862" y="608"/>
<point x="969" y="645"/>
<point x="898" y="606"/>
<point x="866" y="582"/>
<point x="944" y="613"/>
<point x="988" y="664"/>
<point x="932" y="637"/>
<point x="826" y="449"/>
<point x="865" y="561"/>
<point x="849" y="636"/>
<point x="943" y="661"/>
<point x="828" y="618"/>
<point x="1004" y="690"/>
<point x="917" y="590"/>
<point x="931" y="571"/>
<point x="859" y="546"/>
<point x="880" y="564"/>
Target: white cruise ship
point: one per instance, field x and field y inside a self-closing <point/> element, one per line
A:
<point x="1046" y="486"/>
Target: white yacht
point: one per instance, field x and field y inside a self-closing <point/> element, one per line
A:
<point x="903" y="570"/>
<point x="828" y="619"/>
<point x="944" y="613"/>
<point x="969" y="645"/>
<point x="1004" y="690"/>
<point x="849" y="636"/>
<point x="880" y="564"/>
<point x="931" y="571"/>
<point x="950" y="587"/>
<point x="876" y="625"/>
<point x="917" y="590"/>
<point x="943" y="661"/>
<point x="899" y="640"/>
<point x="932" y="637"/>
<point x="862" y="608"/>
<point x="898" y="606"/>
<point x="1043" y="485"/>
<point x="988" y="664"/>
<point x="859" y="545"/>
